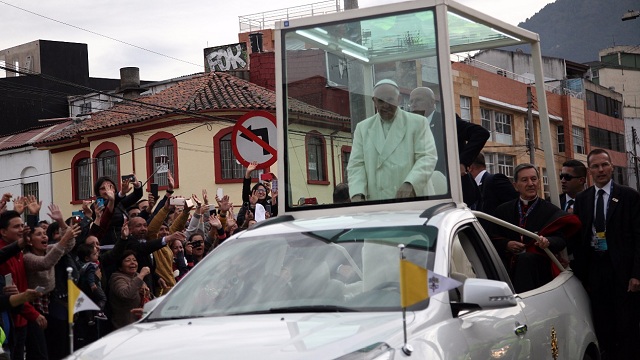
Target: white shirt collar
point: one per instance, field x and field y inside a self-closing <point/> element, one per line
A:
<point x="606" y="187"/>
<point x="478" y="177"/>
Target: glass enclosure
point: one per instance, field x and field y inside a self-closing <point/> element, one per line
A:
<point x="364" y="119"/>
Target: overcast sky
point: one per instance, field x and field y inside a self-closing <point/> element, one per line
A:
<point x="177" y="29"/>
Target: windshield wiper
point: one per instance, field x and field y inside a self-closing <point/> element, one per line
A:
<point x="299" y="309"/>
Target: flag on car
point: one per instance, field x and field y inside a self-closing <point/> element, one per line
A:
<point x="78" y="301"/>
<point x="418" y="284"/>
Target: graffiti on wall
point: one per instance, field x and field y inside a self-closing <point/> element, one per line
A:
<point x="225" y="58"/>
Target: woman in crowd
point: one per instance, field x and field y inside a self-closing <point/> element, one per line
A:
<point x="39" y="260"/>
<point x="127" y="290"/>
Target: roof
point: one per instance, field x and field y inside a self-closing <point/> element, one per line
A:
<point x="31" y="136"/>
<point x="205" y="92"/>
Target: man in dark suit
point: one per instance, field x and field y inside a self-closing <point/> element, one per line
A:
<point x="471" y="139"/>
<point x="607" y="257"/>
<point x="495" y="189"/>
<point x="528" y="267"/>
<point x="573" y="177"/>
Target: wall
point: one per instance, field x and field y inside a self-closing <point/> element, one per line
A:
<point x="26" y="162"/>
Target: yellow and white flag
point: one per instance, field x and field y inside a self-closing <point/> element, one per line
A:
<point x="418" y="284"/>
<point x="78" y="301"/>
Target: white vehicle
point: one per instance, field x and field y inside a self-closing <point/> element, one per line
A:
<point x="276" y="292"/>
<point x="321" y="280"/>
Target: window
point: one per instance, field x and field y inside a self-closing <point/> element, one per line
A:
<point x="30" y="189"/>
<point x="545" y="184"/>
<point x="560" y="137"/>
<point x="85" y="108"/>
<point x="346" y="152"/>
<point x="107" y="161"/>
<point x="498" y="162"/>
<point x="578" y="140"/>
<point x="499" y="124"/>
<point x="227" y="168"/>
<point x="316" y="158"/>
<point x="505" y="164"/>
<point x="486" y="119"/>
<point x="465" y="108"/>
<point x="162" y="151"/>
<point x="503" y="128"/>
<point x="602" y="138"/>
<point x="81" y="178"/>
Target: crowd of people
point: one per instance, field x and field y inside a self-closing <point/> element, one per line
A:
<point x="123" y="251"/>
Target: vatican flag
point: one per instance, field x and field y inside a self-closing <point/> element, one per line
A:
<point x="418" y="284"/>
<point x="78" y="301"/>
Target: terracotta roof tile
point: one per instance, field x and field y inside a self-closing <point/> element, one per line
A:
<point x="211" y="91"/>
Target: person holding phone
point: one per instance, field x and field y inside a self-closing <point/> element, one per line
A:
<point x="123" y="200"/>
<point x="259" y="193"/>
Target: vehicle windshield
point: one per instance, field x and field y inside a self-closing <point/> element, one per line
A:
<point x="329" y="270"/>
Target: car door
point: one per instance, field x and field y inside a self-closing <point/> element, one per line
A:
<point x="490" y="334"/>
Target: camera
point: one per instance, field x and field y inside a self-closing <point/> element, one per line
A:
<point x="178" y="201"/>
<point x="130" y="178"/>
<point x="197" y="244"/>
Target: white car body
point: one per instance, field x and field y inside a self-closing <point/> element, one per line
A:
<point x="556" y="315"/>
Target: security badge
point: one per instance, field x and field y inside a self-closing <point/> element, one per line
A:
<point x="599" y="241"/>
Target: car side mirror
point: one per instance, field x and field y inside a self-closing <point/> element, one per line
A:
<point x="487" y="294"/>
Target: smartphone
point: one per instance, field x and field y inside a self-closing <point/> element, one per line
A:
<point x="101" y="202"/>
<point x="212" y="210"/>
<point x="266" y="177"/>
<point x="178" y="201"/>
<point x="267" y="208"/>
<point x="154" y="190"/>
<point x="220" y="193"/>
<point x="39" y="289"/>
<point x="131" y="178"/>
<point x="8" y="280"/>
<point x="77" y="216"/>
<point x="274" y="185"/>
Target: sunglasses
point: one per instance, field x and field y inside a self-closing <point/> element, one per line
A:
<point x="568" y="177"/>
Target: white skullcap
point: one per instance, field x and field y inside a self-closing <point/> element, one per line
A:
<point x="386" y="81"/>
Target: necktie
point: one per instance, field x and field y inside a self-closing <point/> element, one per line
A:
<point x="599" y="221"/>
<point x="569" y="205"/>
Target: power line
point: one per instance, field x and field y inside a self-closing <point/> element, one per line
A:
<point x="101" y="35"/>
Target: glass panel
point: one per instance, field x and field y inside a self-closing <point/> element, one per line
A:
<point x="330" y="75"/>
<point x="465" y="108"/>
<point x="107" y="165"/>
<point x="294" y="271"/>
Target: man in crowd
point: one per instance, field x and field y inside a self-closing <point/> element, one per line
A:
<point x="529" y="267"/>
<point x="495" y="189"/>
<point x="471" y="139"/>
<point x="12" y="230"/>
<point x="607" y="257"/>
<point x="393" y="154"/>
<point x="573" y="177"/>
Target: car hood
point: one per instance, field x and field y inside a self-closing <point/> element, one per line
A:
<point x="280" y="336"/>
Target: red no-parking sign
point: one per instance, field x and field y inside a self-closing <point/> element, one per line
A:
<point x="254" y="139"/>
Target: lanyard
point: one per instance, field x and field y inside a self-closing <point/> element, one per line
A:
<point x="523" y="216"/>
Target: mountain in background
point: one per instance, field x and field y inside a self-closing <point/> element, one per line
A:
<point x="576" y="30"/>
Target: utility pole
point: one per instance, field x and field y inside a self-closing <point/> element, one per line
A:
<point x="530" y="142"/>
<point x="635" y="156"/>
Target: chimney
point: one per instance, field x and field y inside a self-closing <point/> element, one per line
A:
<point x="256" y="42"/>
<point x="130" y="82"/>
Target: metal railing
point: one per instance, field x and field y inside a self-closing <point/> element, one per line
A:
<point x="266" y="20"/>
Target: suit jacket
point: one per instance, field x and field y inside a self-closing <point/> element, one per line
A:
<point x="471" y="139"/>
<point x="542" y="215"/>
<point x="622" y="232"/>
<point x="495" y="190"/>
<point x="378" y="166"/>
